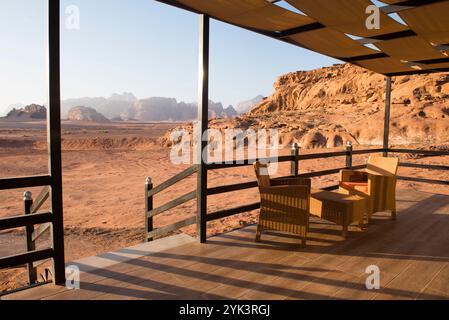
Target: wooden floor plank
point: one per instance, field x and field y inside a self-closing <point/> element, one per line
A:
<point x="411" y="253"/>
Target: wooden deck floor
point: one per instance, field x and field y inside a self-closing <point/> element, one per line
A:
<point x="412" y="254"/>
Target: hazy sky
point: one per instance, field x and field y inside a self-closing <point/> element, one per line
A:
<point x="138" y="46"/>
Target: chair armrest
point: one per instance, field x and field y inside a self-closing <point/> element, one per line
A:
<point x="292" y="181"/>
<point x="347" y="175"/>
<point x="285" y="199"/>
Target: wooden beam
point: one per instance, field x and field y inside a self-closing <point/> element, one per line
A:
<point x="159" y="232"/>
<point x="430" y="153"/>
<point x="203" y="121"/>
<point x="172" y="204"/>
<point x="180" y="176"/>
<point x="422" y="180"/>
<point x="424" y="71"/>
<point x="417" y="3"/>
<point x="367" y="57"/>
<point x="321" y="173"/>
<point x="24" y="182"/>
<point x="247" y="162"/>
<point x="368" y="151"/>
<point x="424" y="166"/>
<point x="301" y="29"/>
<point x="30" y="245"/>
<point x="230" y="212"/>
<point x="54" y="138"/>
<point x="149" y="222"/>
<point x="386" y="142"/>
<point x="24" y="258"/>
<point x="40" y="200"/>
<point x="231" y="188"/>
<point x="39" y="231"/>
<point x="24" y="221"/>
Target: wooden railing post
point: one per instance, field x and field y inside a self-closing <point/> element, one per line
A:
<point x="295" y="160"/>
<point x="148" y="207"/>
<point x="349" y="150"/>
<point x="30" y="245"/>
<point x="386" y="143"/>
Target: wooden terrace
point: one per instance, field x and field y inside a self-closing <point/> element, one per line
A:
<point x="411" y="253"/>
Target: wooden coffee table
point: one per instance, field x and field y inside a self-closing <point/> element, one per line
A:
<point x="341" y="209"/>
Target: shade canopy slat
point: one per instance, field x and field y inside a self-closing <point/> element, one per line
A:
<point x="347" y="16"/>
<point x="338" y="29"/>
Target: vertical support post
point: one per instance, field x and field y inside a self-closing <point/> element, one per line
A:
<point x="30" y="245"/>
<point x="386" y="144"/>
<point x="349" y="150"/>
<point x="148" y="207"/>
<point x="203" y="120"/>
<point x="295" y="160"/>
<point x="54" y="139"/>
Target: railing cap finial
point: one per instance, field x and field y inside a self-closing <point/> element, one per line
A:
<point x="27" y="196"/>
<point x="295" y="145"/>
<point x="349" y="143"/>
<point x="148" y="180"/>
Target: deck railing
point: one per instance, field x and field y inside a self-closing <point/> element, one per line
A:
<point x="294" y="158"/>
<point x="427" y="153"/>
<point x="150" y="212"/>
<point x="32" y="258"/>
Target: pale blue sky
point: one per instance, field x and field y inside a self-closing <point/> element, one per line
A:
<point x="138" y="46"/>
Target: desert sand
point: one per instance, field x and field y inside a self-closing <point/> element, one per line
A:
<point x="104" y="171"/>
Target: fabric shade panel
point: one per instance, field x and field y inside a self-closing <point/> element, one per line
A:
<point x="385" y="65"/>
<point x="332" y="43"/>
<point x="410" y="48"/>
<point x="337" y="28"/>
<point x="347" y="16"/>
<point x="430" y="22"/>
<point x="254" y="14"/>
<point x="271" y="18"/>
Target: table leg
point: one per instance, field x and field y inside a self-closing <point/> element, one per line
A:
<point x="345" y="230"/>
<point x="361" y="224"/>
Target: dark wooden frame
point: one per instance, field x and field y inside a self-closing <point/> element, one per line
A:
<point x="54" y="218"/>
<point x="386" y="143"/>
<point x="203" y="121"/>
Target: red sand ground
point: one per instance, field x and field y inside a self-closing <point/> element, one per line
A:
<point x="104" y="171"/>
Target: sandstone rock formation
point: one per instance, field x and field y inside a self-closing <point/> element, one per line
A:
<point x="30" y="112"/>
<point x="81" y="113"/>
<point x="350" y="101"/>
<point x="329" y="106"/>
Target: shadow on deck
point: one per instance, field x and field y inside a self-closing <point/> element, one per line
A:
<point x="412" y="254"/>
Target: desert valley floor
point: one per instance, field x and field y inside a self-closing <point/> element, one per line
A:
<point x="104" y="171"/>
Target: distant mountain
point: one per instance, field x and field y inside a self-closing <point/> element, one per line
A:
<point x="169" y="109"/>
<point x="216" y="110"/>
<point x="111" y="107"/>
<point x="127" y="107"/>
<point x="246" y="106"/>
<point x="81" y="113"/>
<point x="30" y="112"/>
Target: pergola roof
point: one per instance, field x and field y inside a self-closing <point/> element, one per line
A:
<point x="338" y="29"/>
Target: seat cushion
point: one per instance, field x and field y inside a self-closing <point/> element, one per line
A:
<point x="358" y="186"/>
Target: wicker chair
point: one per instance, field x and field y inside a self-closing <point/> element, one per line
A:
<point x="285" y="204"/>
<point x="377" y="182"/>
